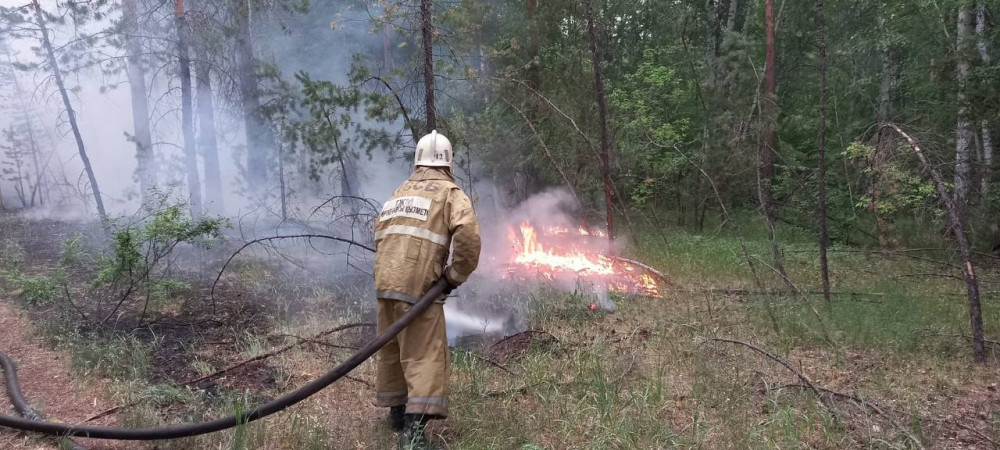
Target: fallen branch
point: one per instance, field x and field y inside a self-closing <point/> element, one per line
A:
<point x="109" y="411"/>
<point x="968" y="428"/>
<point x="115" y="409"/>
<point x="270" y="354"/>
<point x="645" y="267"/>
<point x="779" y="360"/>
<point x="958" y="229"/>
<point x="275" y="238"/>
<point x="305" y="340"/>
<point x="960" y="336"/>
<point x="745" y="292"/>
<point x="491" y="362"/>
<point x="819" y="391"/>
<point x="360" y="380"/>
<point x="866" y="404"/>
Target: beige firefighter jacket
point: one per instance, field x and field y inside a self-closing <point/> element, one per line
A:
<point x="425" y="216"/>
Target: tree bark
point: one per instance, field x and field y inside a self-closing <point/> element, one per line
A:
<point x="769" y="113"/>
<point x="984" y="53"/>
<point x="207" y="140"/>
<point x="146" y="170"/>
<point x="387" y="47"/>
<point x="765" y="167"/>
<point x="258" y="134"/>
<point x="885" y="89"/>
<point x="33" y="146"/>
<point x="824" y="238"/>
<point x="884" y="227"/>
<point x="964" y="137"/>
<point x="187" y="111"/>
<point x="965" y="250"/>
<point x="427" y="30"/>
<point x="734" y="6"/>
<point x="533" y="75"/>
<point x="70" y="112"/>
<point x="602" y="111"/>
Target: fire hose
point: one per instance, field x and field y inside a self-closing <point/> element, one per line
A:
<point x="32" y="423"/>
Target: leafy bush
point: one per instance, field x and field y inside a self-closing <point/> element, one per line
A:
<point x="39" y="290"/>
<point x="139" y="250"/>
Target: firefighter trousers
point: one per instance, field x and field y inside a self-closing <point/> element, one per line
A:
<point x="413" y="369"/>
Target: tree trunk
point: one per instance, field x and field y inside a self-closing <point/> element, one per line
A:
<point x="533" y="75"/>
<point x="39" y="187"/>
<point x="965" y="250"/>
<point x="884" y="227"/>
<point x="769" y="113"/>
<point x="984" y="53"/>
<point x="33" y="146"/>
<point x="387" y="47"/>
<point x="146" y="170"/>
<point x="15" y="154"/>
<point x="964" y="137"/>
<point x="885" y="89"/>
<point x="207" y="141"/>
<point x="187" y="111"/>
<point x="734" y="6"/>
<point x="824" y="238"/>
<point x="765" y="167"/>
<point x="258" y="134"/>
<point x="427" y="29"/>
<point x="70" y="113"/>
<point x="602" y="111"/>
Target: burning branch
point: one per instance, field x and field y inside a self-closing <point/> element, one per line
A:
<point x="562" y="253"/>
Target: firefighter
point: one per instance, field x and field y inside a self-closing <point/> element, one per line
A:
<point x="425" y="217"/>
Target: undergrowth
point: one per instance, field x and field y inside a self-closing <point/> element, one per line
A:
<point x="646" y="376"/>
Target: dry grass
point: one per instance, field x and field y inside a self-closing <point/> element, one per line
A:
<point x="643" y="377"/>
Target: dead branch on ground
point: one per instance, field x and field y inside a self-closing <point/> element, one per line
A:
<point x="818" y="391"/>
<point x="272" y="353"/>
<point x="882" y="412"/>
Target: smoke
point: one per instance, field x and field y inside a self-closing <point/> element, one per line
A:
<point x="322" y="43"/>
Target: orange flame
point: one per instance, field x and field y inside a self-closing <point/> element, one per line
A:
<point x="548" y="260"/>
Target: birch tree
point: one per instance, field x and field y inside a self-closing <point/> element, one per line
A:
<point x="964" y="136"/>
<point x="187" y="109"/>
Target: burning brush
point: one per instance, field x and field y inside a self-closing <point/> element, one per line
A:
<point x="560" y="252"/>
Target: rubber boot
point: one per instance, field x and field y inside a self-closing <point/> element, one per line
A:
<point x="412" y="436"/>
<point x="395" y="418"/>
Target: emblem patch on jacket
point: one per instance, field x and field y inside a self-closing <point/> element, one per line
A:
<point x="410" y="207"/>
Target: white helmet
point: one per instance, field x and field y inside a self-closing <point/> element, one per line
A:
<point x="433" y="150"/>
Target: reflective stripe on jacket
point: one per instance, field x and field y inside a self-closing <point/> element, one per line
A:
<point x="425" y="216"/>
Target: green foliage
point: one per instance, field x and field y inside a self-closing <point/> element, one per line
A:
<point x="137" y="248"/>
<point x="39" y="290"/>
<point x="126" y="260"/>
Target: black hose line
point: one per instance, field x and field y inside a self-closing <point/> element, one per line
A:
<point x="21" y="405"/>
<point x="195" y="429"/>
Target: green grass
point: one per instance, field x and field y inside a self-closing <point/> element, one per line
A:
<point x="121" y="358"/>
<point x="643" y="377"/>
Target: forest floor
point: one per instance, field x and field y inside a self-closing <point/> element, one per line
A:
<point x="647" y="376"/>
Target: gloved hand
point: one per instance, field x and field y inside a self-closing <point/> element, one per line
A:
<point x="448" y="287"/>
